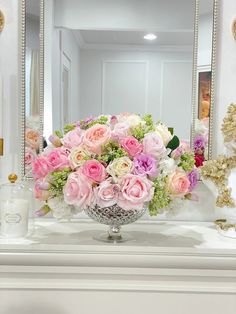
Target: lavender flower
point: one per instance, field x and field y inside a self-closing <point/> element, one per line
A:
<point x="145" y="164"/>
<point x="193" y="177"/>
<point x="199" y="142"/>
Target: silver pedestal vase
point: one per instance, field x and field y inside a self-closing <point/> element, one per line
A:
<point x="115" y="217"/>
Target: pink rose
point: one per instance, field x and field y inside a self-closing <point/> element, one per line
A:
<point x="178" y="183"/>
<point x="94" y="170"/>
<point x="153" y="145"/>
<point x="32" y="138"/>
<point x="96" y="136"/>
<point x="72" y="138"/>
<point x="58" y="159"/>
<point x="78" y="190"/>
<point x="41" y="167"/>
<point x="107" y="194"/>
<point x="120" y="130"/>
<point x="131" y="145"/>
<point x="135" y="191"/>
<point x="30" y="155"/>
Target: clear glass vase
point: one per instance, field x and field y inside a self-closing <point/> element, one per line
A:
<point x="115" y="217"/>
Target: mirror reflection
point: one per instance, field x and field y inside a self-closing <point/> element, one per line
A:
<point x="32" y="82"/>
<point x="108" y="57"/>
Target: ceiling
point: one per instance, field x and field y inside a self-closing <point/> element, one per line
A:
<point x="133" y="38"/>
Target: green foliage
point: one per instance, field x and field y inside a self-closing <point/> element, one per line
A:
<point x="140" y="130"/>
<point x="68" y="128"/>
<point x="101" y="120"/>
<point x="148" y="119"/>
<point x="111" y="151"/>
<point x="160" y="199"/>
<point x="59" y="134"/>
<point x="187" y="161"/>
<point x="173" y="143"/>
<point x="58" y="180"/>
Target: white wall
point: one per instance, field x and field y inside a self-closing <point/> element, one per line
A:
<point x="9" y="90"/>
<point x="205" y="39"/>
<point x="118" y="81"/>
<point x="123" y="14"/>
<point x="56" y="42"/>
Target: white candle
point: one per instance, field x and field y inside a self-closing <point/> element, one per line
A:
<point x="14" y="217"/>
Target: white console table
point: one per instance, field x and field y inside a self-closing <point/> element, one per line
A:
<point x="171" y="267"/>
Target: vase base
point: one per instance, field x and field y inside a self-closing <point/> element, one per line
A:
<point x="107" y="238"/>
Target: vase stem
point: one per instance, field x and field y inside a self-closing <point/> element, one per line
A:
<point x="114" y="233"/>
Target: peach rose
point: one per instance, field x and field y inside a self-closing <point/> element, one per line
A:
<point x="96" y="136"/>
<point x="178" y="183"/>
<point x="94" y="170"/>
<point x="32" y="138"/>
<point x="107" y="193"/>
<point x="135" y="192"/>
<point x="78" y="190"/>
<point x="131" y="145"/>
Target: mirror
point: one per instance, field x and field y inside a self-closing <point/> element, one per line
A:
<point x="107" y="57"/>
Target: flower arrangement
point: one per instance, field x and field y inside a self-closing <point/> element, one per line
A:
<point x="125" y="159"/>
<point x="200" y="142"/>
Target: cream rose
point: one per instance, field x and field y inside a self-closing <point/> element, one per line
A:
<point x="120" y="167"/>
<point x="78" y="156"/>
<point x="133" y="120"/>
<point x="164" y="133"/>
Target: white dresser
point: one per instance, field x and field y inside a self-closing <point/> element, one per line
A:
<point x="170" y="267"/>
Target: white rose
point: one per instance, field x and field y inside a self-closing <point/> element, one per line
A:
<point x="164" y="133"/>
<point x="133" y="120"/>
<point x="77" y="157"/>
<point x="167" y="166"/>
<point x="201" y="126"/>
<point x="120" y="167"/>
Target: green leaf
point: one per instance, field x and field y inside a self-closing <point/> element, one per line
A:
<point x="174" y="143"/>
<point x="59" y="134"/>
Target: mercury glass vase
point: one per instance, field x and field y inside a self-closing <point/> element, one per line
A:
<point x="115" y="217"/>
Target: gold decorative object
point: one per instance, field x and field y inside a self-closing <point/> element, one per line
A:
<point x="2" y="21"/>
<point x="12" y="177"/>
<point x="224" y="225"/>
<point x="218" y="170"/>
<point x="1" y="146"/>
<point x="234" y="28"/>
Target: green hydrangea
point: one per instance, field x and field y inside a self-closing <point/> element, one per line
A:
<point x="57" y="181"/>
<point x="69" y="127"/>
<point x="111" y="151"/>
<point x="101" y="120"/>
<point x="187" y="161"/>
<point x="160" y="199"/>
<point x="140" y="130"/>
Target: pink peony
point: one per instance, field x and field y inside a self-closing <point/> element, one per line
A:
<point x="41" y="167"/>
<point x="107" y="194"/>
<point x="96" y="136"/>
<point x="135" y="191"/>
<point x="78" y="190"/>
<point x="72" y="138"/>
<point x="94" y="170"/>
<point x="153" y="145"/>
<point x="32" y="138"/>
<point x="178" y="183"/>
<point x="131" y="145"/>
<point x="58" y="159"/>
<point x="120" y="130"/>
